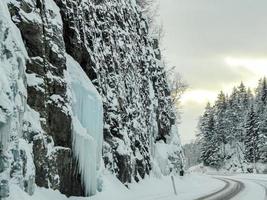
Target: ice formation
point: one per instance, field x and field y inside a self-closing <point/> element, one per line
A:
<point x="12" y="104"/>
<point x="87" y="125"/>
<point x="12" y="63"/>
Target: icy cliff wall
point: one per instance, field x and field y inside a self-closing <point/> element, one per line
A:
<point x="41" y="30"/>
<point x="16" y="164"/>
<point x="110" y="41"/>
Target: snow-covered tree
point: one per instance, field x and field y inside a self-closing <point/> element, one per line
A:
<point x="220" y="122"/>
<point x="210" y="147"/>
<point x="263" y="137"/>
<point x="234" y="129"/>
<point x="261" y="95"/>
<point x="177" y="87"/>
<point x="261" y="110"/>
<point x="251" y="142"/>
<point x="192" y="153"/>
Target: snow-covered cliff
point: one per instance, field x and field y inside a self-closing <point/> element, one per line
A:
<point x="85" y="87"/>
<point x="16" y="164"/>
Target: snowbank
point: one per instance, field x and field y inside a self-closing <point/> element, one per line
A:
<point x="149" y="189"/>
<point x="201" y="169"/>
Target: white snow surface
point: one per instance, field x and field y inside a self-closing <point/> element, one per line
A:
<point x="149" y="189"/>
<point x="87" y="125"/>
<point x="201" y="169"/>
<point x="255" y="186"/>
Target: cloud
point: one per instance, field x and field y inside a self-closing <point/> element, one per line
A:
<point x="198" y="97"/>
<point x="256" y="66"/>
<point x="191" y="114"/>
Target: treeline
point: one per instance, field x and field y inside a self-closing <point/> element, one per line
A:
<point x="235" y="126"/>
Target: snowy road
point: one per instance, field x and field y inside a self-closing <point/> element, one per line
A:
<point x="231" y="189"/>
<point x="261" y="183"/>
<point x="240" y="188"/>
<point x="197" y="187"/>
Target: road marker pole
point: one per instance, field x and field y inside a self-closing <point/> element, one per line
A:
<point x="173" y="184"/>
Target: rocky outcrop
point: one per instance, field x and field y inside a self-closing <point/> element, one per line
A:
<point x="16" y="163"/>
<point x="41" y="29"/>
<point x="111" y="42"/>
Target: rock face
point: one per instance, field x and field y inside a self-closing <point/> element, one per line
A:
<point x="111" y="42"/>
<point x="41" y="29"/>
<point x="15" y="157"/>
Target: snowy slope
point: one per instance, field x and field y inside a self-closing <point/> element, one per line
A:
<point x="149" y="189"/>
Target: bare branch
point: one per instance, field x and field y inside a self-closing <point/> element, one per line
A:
<point x="177" y="87"/>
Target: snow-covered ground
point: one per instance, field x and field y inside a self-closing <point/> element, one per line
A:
<point x="199" y="182"/>
<point x="188" y="188"/>
<point x="255" y="186"/>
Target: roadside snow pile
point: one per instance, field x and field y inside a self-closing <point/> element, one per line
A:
<point x="201" y="169"/>
<point x="87" y="125"/>
<point x="258" y="177"/>
<point x="166" y="154"/>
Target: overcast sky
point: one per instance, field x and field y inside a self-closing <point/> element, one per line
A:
<point x="215" y="45"/>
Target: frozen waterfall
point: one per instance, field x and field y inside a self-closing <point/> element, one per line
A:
<point x="87" y="125"/>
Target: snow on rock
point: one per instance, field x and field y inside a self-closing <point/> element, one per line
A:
<point x="111" y="42"/>
<point x="41" y="27"/>
<point x="166" y="154"/>
<point x="12" y="77"/>
<point x="16" y="163"/>
<point x="34" y="81"/>
<point x="87" y="125"/>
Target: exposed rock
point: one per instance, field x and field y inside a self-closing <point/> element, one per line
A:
<point x="41" y="29"/>
<point x="4" y="189"/>
<point x="110" y="40"/>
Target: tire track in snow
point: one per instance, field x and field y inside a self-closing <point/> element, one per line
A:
<point x="259" y="182"/>
<point x="264" y="186"/>
<point x="230" y="190"/>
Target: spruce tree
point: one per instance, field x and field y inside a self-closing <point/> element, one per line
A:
<point x="261" y="109"/>
<point x="238" y="122"/>
<point x="210" y="148"/>
<point x="251" y="142"/>
<point x="262" y="142"/>
<point x="244" y="100"/>
<point x="220" y="122"/>
<point x="232" y="115"/>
